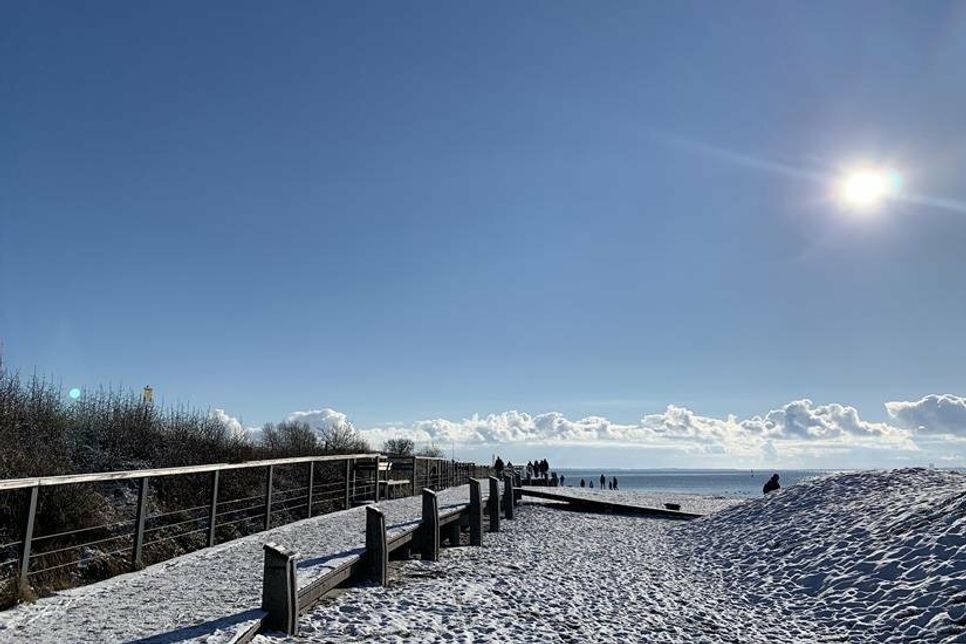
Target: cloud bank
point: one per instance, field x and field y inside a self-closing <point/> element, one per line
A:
<point x="936" y="414"/>
<point x="798" y="428"/>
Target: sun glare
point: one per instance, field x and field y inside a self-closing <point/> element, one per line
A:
<point x="866" y="189"/>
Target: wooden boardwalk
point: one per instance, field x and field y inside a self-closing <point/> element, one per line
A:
<point x="601" y="505"/>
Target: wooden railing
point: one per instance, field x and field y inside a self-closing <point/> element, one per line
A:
<point x="222" y="507"/>
<point x="283" y="601"/>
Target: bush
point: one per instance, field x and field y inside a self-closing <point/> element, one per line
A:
<point x="44" y="433"/>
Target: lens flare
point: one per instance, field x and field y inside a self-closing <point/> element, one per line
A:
<point x="74" y="393"/>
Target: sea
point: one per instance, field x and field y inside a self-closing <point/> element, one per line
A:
<point x="735" y="483"/>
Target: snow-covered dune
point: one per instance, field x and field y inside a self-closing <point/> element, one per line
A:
<point x="880" y="554"/>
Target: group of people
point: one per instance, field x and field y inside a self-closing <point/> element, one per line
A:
<point x="610" y="484"/>
<point x="539" y="469"/>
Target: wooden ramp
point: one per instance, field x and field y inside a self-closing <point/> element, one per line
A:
<point x="602" y="505"/>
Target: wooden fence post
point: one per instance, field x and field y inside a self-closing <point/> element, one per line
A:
<point x="139" y="519"/>
<point x="377" y="552"/>
<point x="279" y="589"/>
<point x="348" y="475"/>
<point x="308" y="512"/>
<point x="508" y="496"/>
<point x="429" y="529"/>
<point x="27" y="535"/>
<point x="376" y="475"/>
<point x="213" y="511"/>
<point x="413" y="477"/>
<point x="268" y="496"/>
<point x="494" y="504"/>
<point x="476" y="512"/>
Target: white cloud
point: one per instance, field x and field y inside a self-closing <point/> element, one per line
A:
<point x="935" y="414"/>
<point x="803" y="420"/>
<point x="234" y="425"/>
<point x="798" y="424"/>
<point x="321" y="420"/>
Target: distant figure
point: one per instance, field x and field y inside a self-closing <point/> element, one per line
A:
<point x="610" y="485"/>
<point x="615" y="482"/>
<point x="529" y="471"/>
<point x="562" y="477"/>
<point x="591" y="485"/>
<point x="603" y="481"/>
<point x="544" y="468"/>
<point x="553" y="479"/>
<point x="582" y="484"/>
<point x="498" y="466"/>
<point x="771" y="485"/>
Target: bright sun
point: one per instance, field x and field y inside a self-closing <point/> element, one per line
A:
<point x="865" y="189"/>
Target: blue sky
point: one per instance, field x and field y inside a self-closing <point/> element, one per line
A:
<point x="434" y="210"/>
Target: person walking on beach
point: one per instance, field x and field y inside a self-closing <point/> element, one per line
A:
<point x="582" y="484"/>
<point x="603" y="481"/>
<point x="544" y="468"/>
<point x="553" y="479"/>
<point x="771" y="485"/>
<point x="529" y="471"/>
<point x="498" y="466"/>
<point x="562" y="477"/>
<point x="615" y="482"/>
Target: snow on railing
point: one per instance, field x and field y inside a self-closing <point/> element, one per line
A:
<point x="222" y="508"/>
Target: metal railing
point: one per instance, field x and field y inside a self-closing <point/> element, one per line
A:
<point x="222" y="501"/>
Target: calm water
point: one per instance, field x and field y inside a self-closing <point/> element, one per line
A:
<point x="722" y="482"/>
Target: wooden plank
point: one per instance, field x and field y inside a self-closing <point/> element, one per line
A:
<point x="311" y="594"/>
<point x="594" y="505"/>
<point x="24" y="483"/>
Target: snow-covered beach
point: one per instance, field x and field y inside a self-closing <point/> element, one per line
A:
<point x="867" y="557"/>
<point x="863" y="557"/>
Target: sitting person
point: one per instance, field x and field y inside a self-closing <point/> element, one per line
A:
<point x="771" y="485"/>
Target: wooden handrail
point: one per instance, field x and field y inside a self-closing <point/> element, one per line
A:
<point x="126" y="475"/>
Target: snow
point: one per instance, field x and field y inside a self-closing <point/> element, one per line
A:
<point x="881" y="555"/>
<point x="208" y="595"/>
<point x="695" y="503"/>
<point x="862" y="557"/>
<point x="869" y="557"/>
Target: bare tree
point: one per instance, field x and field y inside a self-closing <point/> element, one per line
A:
<point x="342" y="439"/>
<point x="399" y="447"/>
<point x="431" y="451"/>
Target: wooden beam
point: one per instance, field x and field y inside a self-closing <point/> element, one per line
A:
<point x="494" y="504"/>
<point x="476" y="512"/>
<point x="140" y="518"/>
<point x="27" y="535"/>
<point x="377" y="552"/>
<point x="213" y="509"/>
<point x="269" y="475"/>
<point x="508" y="496"/>
<point x="308" y="511"/>
<point x="45" y="481"/>
<point x="280" y="590"/>
<point x="429" y="529"/>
